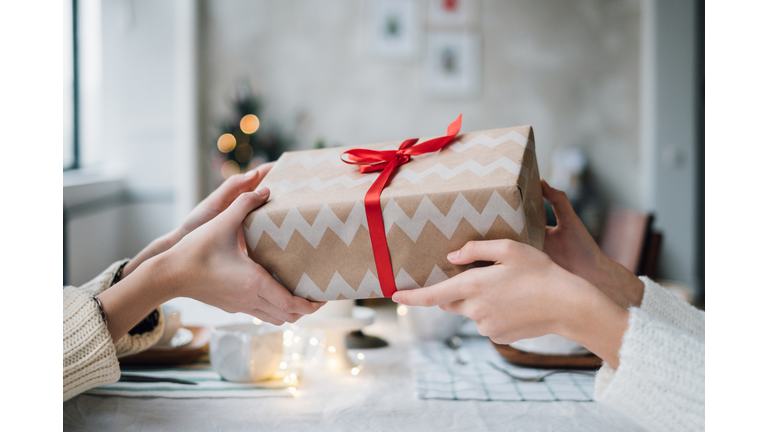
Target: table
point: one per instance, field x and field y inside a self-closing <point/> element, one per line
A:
<point x="381" y="398"/>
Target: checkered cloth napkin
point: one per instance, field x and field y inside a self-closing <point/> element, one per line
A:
<point x="439" y="376"/>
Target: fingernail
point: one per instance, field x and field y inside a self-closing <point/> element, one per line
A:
<point x="262" y="191"/>
<point x="396" y="298"/>
<point x="251" y="173"/>
<point x="453" y="255"/>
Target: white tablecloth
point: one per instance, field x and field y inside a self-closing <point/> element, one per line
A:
<point x="382" y="397"/>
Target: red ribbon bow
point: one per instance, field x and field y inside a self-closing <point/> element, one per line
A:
<point x="387" y="161"/>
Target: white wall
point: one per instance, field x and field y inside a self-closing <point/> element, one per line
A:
<point x="570" y="69"/>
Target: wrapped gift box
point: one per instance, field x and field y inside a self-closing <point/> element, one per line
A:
<point x="313" y="237"/>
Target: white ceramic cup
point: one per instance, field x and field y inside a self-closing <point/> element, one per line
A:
<point x="246" y="352"/>
<point x="429" y="323"/>
<point x="172" y="323"/>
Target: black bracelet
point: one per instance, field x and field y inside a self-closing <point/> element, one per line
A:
<point x="118" y="273"/>
<point x="101" y="309"/>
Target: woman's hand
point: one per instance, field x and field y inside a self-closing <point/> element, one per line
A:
<point x="524" y="294"/>
<point x="215" y="203"/>
<point x="208" y="265"/>
<point x="570" y="246"/>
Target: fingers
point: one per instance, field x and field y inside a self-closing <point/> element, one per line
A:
<point x="486" y="250"/>
<point x="281" y="303"/>
<point x="560" y="204"/>
<point x="260" y="314"/>
<point x="243" y="205"/>
<point x="225" y="194"/>
<point x="444" y="292"/>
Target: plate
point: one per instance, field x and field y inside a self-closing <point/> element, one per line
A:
<point x="190" y="352"/>
<point x="548" y="361"/>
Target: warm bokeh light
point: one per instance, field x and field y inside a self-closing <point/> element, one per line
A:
<point x="360" y="356"/>
<point x="287" y="342"/>
<point x="402" y="310"/>
<point x="288" y="334"/>
<point x="293" y="376"/>
<point x="229" y="168"/>
<point x="226" y="143"/>
<point x="257" y="321"/>
<point x="313" y="341"/>
<point x="292" y="390"/>
<point x="249" y="124"/>
<point x="355" y="371"/>
<point x="243" y="153"/>
<point x="283" y="365"/>
<point x="332" y="349"/>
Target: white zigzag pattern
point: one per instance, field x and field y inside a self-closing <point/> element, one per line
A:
<point x="369" y="285"/>
<point x="446" y="173"/>
<point x="337" y="285"/>
<point x="294" y="221"/>
<point x="461" y="209"/>
<point x="392" y="215"/>
<point x="490" y="142"/>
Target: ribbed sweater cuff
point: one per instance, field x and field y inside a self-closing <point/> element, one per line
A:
<point x="661" y="303"/>
<point x="89" y="354"/>
<point x="660" y="380"/>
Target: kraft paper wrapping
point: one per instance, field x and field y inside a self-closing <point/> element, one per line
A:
<point x="312" y="235"/>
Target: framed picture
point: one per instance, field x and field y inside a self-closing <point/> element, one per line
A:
<point x="452" y="64"/>
<point x="452" y="14"/>
<point x="393" y="28"/>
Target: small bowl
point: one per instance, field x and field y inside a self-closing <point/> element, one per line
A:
<point x="246" y="352"/>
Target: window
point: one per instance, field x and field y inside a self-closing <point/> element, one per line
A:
<point x="70" y="86"/>
<point x="82" y="83"/>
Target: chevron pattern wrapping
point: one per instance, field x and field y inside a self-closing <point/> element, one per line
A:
<point x="312" y="235"/>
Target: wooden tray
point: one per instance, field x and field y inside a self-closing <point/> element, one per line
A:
<point x="545" y="361"/>
<point x="169" y="356"/>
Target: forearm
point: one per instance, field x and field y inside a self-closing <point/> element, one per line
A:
<point x="133" y="298"/>
<point x="158" y="246"/>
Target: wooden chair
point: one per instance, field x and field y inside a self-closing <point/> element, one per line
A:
<point x="629" y="239"/>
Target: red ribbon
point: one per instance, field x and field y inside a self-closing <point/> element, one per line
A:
<point x="386" y="161"/>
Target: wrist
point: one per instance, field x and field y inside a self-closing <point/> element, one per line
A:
<point x="620" y="284"/>
<point x="597" y="323"/>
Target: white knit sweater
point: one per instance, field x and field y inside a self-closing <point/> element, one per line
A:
<point x="660" y="379"/>
<point x="90" y="357"/>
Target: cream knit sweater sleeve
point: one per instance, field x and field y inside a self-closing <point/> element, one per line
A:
<point x="90" y="357"/>
<point x="660" y="380"/>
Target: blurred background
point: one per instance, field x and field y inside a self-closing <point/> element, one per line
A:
<point x="160" y="97"/>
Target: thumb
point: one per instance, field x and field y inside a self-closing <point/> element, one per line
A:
<point x="560" y="205"/>
<point x="244" y="204"/>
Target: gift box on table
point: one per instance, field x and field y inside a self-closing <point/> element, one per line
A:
<point x="313" y="234"/>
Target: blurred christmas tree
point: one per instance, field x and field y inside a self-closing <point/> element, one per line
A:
<point x="243" y="141"/>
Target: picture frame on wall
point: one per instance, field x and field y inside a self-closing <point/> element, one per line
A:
<point x="452" y="65"/>
<point x="393" y="29"/>
<point x="452" y="14"/>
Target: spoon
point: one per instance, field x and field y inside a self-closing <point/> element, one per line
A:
<point x="454" y="343"/>
<point x="541" y="377"/>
